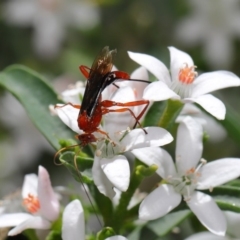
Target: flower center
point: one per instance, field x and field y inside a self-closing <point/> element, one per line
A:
<point x="186" y="184"/>
<point x="108" y="148"/>
<point x="187" y="74"/>
<point x="31" y="203"/>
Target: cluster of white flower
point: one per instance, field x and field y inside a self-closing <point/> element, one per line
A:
<point x="111" y="173"/>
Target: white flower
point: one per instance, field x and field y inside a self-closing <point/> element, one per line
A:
<point x="111" y="168"/>
<point x="183" y="83"/>
<point x="233" y="222"/>
<point x="214" y="24"/>
<point x="50" y="18"/>
<point x="41" y="202"/>
<point x="233" y="231"/>
<point x="211" y="126"/>
<point x="206" y="236"/>
<point x="186" y="178"/>
<point x="73" y="226"/>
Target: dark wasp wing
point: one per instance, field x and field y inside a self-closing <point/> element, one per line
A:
<point x="96" y="82"/>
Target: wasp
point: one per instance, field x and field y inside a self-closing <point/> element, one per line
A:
<point x="92" y="109"/>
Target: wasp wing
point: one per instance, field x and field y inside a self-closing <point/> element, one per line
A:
<point x="101" y="66"/>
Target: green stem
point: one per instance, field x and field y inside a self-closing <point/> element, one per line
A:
<point x="121" y="212"/>
<point x="170" y="113"/>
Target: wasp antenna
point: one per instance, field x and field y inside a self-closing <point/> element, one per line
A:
<point x="115" y="85"/>
<point x="88" y="196"/>
<point x="139" y="80"/>
<point x="59" y="151"/>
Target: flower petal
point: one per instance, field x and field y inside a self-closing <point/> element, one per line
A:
<point x="73" y="95"/>
<point x="33" y="222"/>
<point x="212" y="81"/>
<point x="123" y="119"/>
<point x="69" y="115"/>
<point x="208" y="213"/>
<point x="205" y="236"/>
<point x="155" y="136"/>
<point x="73" y="226"/>
<point x="218" y="172"/>
<point x="118" y="237"/>
<point x="159" y="91"/>
<point x="49" y="204"/>
<point x="159" y="202"/>
<point x="153" y="65"/>
<point x="189" y="144"/>
<point x="30" y="184"/>
<point x="178" y="60"/>
<point x="13" y="219"/>
<point x="211" y="104"/>
<point x="117" y="171"/>
<point x="101" y="181"/>
<point x="159" y="157"/>
<point x="233" y="220"/>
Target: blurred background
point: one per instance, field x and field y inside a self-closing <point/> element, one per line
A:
<point x="54" y="37"/>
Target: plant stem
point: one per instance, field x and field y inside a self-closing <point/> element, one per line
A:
<point x="170" y="113"/>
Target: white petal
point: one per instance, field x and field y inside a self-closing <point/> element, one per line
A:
<point x="117" y="170"/>
<point x="189" y="144"/>
<point x="218" y="172"/>
<point x="33" y="222"/>
<point x="208" y="213"/>
<point x="49" y="204"/>
<point x="118" y="237"/>
<point x="139" y="73"/>
<point x="211" y="104"/>
<point x="233" y="220"/>
<point x="13" y="219"/>
<point x="179" y="59"/>
<point x="73" y="95"/>
<point x="153" y="65"/>
<point x="159" y="91"/>
<point x="123" y="119"/>
<point x="101" y="181"/>
<point x="206" y="236"/>
<point x="73" y="226"/>
<point x="212" y="81"/>
<point x="69" y="116"/>
<point x="159" y="202"/>
<point x="159" y="157"/>
<point x="138" y="87"/>
<point x="155" y="136"/>
<point x="30" y="185"/>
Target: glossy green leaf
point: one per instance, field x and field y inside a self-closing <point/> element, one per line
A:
<point x="53" y="235"/>
<point x="164" y="225"/>
<point x="231" y="123"/>
<point x="154" y="113"/>
<point x="35" y="94"/>
<point x="227" y="197"/>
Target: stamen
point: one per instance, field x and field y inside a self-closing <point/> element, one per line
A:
<point x="187" y="74"/>
<point x="31" y="203"/>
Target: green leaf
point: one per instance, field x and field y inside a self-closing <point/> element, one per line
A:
<point x="164" y="225"/>
<point x="136" y="233"/>
<point x="35" y="95"/>
<point x="227" y="197"/>
<point x="30" y="234"/>
<point x="80" y="164"/>
<point x="154" y="113"/>
<point x="53" y="235"/>
<point x="231" y="123"/>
